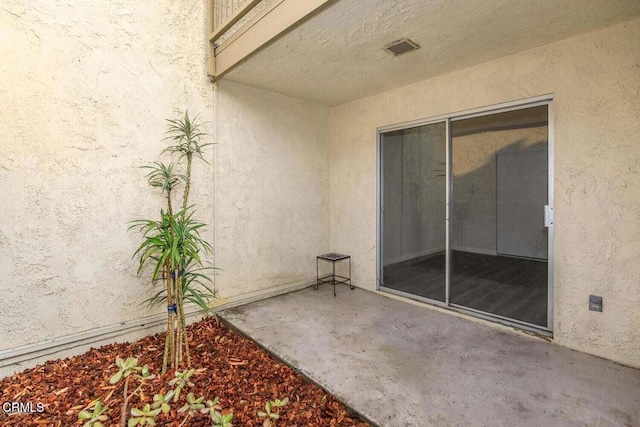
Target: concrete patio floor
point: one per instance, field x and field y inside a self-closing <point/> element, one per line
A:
<point x="399" y="364"/>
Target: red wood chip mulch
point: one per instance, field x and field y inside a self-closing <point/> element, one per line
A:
<point x="227" y="365"/>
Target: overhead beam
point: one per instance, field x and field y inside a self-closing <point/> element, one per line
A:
<point x="211" y="17"/>
<point x="275" y="20"/>
<point x="232" y="20"/>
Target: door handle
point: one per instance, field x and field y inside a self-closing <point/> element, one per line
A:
<point x="548" y="216"/>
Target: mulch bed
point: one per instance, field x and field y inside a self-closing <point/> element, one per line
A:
<point x="227" y="365"/>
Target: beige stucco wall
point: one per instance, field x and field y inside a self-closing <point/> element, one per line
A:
<point x="272" y="173"/>
<point x="85" y="88"/>
<point x="595" y="81"/>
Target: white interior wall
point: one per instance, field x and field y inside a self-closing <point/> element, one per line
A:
<point x="522" y="194"/>
<point x="423" y="190"/>
<point x="475" y="182"/>
<point x="392" y="159"/>
<point x="414" y="192"/>
<point x="85" y="90"/>
<point x="272" y="172"/>
<point x="595" y="82"/>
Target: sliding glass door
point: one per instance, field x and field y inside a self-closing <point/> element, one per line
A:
<point x="413" y="211"/>
<point x="465" y="211"/>
<point x="498" y="236"/>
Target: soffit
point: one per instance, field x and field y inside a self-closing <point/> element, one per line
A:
<point x="338" y="55"/>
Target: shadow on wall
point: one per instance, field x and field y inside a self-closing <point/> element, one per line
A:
<point x="498" y="206"/>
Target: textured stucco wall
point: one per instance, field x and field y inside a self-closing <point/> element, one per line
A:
<point x="85" y="88"/>
<point x="272" y="175"/>
<point x="595" y="80"/>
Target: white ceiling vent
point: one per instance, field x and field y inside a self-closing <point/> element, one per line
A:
<point x="402" y="46"/>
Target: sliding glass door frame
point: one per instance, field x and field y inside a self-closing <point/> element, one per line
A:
<point x="447" y="120"/>
<point x="380" y="210"/>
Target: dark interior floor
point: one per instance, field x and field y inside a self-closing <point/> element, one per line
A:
<point x="511" y="287"/>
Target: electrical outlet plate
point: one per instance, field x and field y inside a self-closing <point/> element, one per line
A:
<point x="595" y="303"/>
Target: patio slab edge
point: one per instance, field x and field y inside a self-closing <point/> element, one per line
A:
<point x="293" y="365"/>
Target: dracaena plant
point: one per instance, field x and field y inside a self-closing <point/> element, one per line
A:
<point x="172" y="245"/>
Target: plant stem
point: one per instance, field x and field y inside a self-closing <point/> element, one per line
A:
<point x="178" y="344"/>
<point x="180" y="297"/>
<point x="168" y="343"/>
<point x="123" y="413"/>
<point x="184" y="334"/>
<point x="179" y="337"/>
<point x="187" y="185"/>
<point x="170" y="314"/>
<point x="169" y="207"/>
<point x="184" y="421"/>
<point x="165" y="355"/>
<point x="170" y="282"/>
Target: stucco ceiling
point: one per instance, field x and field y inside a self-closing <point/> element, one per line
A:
<point x="338" y="56"/>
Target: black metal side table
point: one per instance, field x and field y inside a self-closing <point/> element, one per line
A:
<point x="333" y="277"/>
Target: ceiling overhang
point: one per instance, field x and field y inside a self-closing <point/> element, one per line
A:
<point x="339" y="55"/>
<point x="275" y="19"/>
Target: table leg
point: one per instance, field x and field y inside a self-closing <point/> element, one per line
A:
<point x="350" y="283"/>
<point x="317" y="275"/>
<point x="333" y="276"/>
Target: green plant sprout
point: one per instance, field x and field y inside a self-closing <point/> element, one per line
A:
<point x="221" y="420"/>
<point x="192" y="406"/>
<point x="270" y="417"/>
<point x="218" y="419"/>
<point x="144" y="416"/>
<point x="181" y="380"/>
<point x="93" y="419"/>
<point x="161" y="401"/>
<point x="127" y="369"/>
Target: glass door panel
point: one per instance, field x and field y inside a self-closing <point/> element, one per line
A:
<point x="499" y="260"/>
<point x="414" y="210"/>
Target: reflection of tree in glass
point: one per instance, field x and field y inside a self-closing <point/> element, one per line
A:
<point x="461" y="213"/>
<point x="439" y="173"/>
